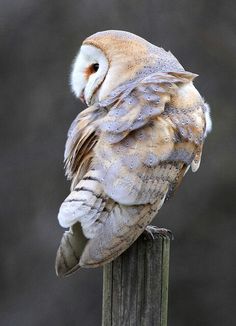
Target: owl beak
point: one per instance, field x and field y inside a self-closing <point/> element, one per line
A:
<point x="82" y="99"/>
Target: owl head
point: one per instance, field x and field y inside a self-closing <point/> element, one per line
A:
<point x="110" y="58"/>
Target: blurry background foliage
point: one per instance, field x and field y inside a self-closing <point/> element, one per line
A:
<point x="38" y="41"/>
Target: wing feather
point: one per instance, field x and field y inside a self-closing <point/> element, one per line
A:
<point x="150" y="132"/>
<point x="81" y="140"/>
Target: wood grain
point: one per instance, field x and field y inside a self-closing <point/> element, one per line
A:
<point x="135" y="285"/>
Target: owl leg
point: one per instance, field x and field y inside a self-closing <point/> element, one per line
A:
<point x="151" y="232"/>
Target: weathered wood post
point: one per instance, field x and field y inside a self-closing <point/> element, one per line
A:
<point x="135" y="285"/>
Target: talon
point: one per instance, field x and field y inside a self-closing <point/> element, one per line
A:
<point x="150" y="232"/>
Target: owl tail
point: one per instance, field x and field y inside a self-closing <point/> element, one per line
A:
<point x="70" y="250"/>
<point x="120" y="230"/>
<point x="123" y="226"/>
<point x="102" y="229"/>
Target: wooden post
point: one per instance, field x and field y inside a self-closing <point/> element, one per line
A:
<point x="135" y="285"/>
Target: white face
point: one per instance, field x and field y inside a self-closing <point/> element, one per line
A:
<point x="89" y="70"/>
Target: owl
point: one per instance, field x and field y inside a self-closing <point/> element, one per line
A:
<point x="127" y="152"/>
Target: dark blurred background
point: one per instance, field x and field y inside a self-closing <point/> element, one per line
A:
<point x="39" y="40"/>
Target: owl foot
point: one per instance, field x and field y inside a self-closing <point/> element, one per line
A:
<point x="152" y="232"/>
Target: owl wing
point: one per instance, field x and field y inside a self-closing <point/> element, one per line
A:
<point x="81" y="139"/>
<point x="144" y="148"/>
<point x="143" y="134"/>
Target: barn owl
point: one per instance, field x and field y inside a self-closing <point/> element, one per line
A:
<point x="127" y="152"/>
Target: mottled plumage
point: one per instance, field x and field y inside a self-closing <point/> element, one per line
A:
<point x="129" y="150"/>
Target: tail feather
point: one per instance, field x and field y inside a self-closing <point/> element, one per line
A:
<point x="70" y="250"/>
<point x="100" y="228"/>
<point x="124" y="225"/>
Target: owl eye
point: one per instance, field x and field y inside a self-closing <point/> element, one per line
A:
<point x="91" y="70"/>
<point x="95" y="67"/>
